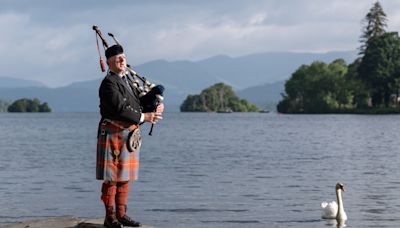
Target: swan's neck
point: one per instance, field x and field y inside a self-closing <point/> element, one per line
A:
<point x="340" y="202"/>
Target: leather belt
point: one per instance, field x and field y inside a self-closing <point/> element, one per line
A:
<point x="120" y="124"/>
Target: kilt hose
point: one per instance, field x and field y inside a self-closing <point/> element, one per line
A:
<point x="113" y="161"/>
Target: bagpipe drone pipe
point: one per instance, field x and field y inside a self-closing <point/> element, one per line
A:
<point x="150" y="94"/>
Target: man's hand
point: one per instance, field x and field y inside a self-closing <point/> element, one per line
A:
<point x="152" y="117"/>
<point x="160" y="108"/>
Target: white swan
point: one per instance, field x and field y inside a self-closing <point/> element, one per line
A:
<point x="335" y="210"/>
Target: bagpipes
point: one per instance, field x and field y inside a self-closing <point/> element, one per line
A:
<point x="150" y="94"/>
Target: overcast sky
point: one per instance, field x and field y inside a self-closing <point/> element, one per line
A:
<point x="52" y="41"/>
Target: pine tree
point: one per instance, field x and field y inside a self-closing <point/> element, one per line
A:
<point x="375" y="25"/>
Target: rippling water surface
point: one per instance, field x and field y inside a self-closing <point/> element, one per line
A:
<point x="209" y="170"/>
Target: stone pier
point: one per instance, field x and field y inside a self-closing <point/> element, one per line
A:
<point x="62" y="222"/>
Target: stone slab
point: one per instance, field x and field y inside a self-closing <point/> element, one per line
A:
<point x="62" y="222"/>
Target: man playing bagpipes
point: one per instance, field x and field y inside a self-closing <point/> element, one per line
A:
<point x="119" y="137"/>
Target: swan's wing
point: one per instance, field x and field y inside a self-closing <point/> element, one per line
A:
<point x="329" y="210"/>
<point x="343" y="216"/>
<point x="330" y="204"/>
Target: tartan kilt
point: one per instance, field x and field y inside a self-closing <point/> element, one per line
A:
<point x="112" y="165"/>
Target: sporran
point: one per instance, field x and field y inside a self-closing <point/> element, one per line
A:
<point x="134" y="140"/>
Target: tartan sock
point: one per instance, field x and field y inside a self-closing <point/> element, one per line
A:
<point x="108" y="192"/>
<point x="121" y="198"/>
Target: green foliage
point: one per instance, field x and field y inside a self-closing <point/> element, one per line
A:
<point x="44" y="107"/>
<point x="217" y="98"/>
<point x="317" y="88"/>
<point x="357" y="86"/>
<point x="373" y="80"/>
<point x="375" y="24"/>
<point x="28" y="105"/>
<point x="380" y="67"/>
<point x="4" y="105"/>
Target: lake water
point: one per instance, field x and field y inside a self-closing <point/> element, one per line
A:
<point x="209" y="170"/>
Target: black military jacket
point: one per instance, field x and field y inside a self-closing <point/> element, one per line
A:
<point x="117" y="101"/>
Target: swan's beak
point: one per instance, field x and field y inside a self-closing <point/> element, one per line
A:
<point x="343" y="189"/>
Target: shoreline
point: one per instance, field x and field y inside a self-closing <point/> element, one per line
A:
<point x="357" y="111"/>
<point x="62" y="222"/>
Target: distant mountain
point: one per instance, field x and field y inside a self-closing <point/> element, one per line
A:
<point x="239" y="72"/>
<point x="77" y="97"/>
<point x="63" y="99"/>
<point x="7" y="82"/>
<point x="262" y="74"/>
<point x="265" y="96"/>
<point x="92" y="84"/>
<point x="257" y="69"/>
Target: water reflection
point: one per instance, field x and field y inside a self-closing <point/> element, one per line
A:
<point x="335" y="223"/>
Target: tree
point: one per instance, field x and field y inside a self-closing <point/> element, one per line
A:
<point x="219" y="97"/>
<point x="192" y="103"/>
<point x="374" y="76"/>
<point x="358" y="89"/>
<point x="375" y="24"/>
<point x="316" y="88"/>
<point x="380" y="67"/>
<point x="18" y="105"/>
<point x="340" y="91"/>
<point x="33" y="105"/>
<point x="44" y="107"/>
<point x="4" y="105"/>
<point x="27" y="105"/>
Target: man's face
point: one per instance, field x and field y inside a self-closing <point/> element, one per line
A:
<point x="117" y="63"/>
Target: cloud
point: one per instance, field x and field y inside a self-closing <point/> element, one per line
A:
<point x="32" y="50"/>
<point x="52" y="41"/>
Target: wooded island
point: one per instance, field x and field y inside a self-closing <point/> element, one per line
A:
<point x="370" y="84"/>
<point x="28" y="105"/>
<point x="217" y="98"/>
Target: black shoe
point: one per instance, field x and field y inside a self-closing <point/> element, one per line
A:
<point x="112" y="222"/>
<point x="126" y="221"/>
